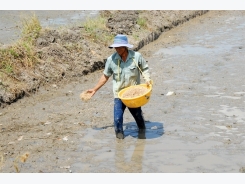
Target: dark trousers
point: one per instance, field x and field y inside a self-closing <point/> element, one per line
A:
<point x="119" y="109"/>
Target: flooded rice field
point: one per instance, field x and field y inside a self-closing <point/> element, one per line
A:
<point x="195" y="116"/>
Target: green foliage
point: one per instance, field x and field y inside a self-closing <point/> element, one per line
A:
<point x="96" y="29"/>
<point x="13" y="53"/>
<point x="7" y="66"/>
<point x="142" y="22"/>
<point x="91" y="25"/>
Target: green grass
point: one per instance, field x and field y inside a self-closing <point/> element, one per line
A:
<point x="97" y="31"/>
<point x="92" y="25"/>
<point x="21" y="53"/>
<point x="30" y="28"/>
<point x="142" y="22"/>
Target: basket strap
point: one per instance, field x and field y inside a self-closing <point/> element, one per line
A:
<point x="138" y="68"/>
<point x="118" y="64"/>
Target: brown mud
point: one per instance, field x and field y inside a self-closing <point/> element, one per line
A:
<point x="197" y="128"/>
<point x="70" y="52"/>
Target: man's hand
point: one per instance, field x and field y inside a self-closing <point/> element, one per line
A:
<point x="91" y="92"/>
<point x="86" y="95"/>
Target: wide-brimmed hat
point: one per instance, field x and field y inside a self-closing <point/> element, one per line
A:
<point x="121" y="41"/>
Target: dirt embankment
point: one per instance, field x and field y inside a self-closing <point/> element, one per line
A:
<point x="70" y="52"/>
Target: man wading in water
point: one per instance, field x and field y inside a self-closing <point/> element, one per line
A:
<point x="123" y="65"/>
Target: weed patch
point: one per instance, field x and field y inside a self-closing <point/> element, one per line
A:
<point x="97" y="31"/>
<point x="22" y="53"/>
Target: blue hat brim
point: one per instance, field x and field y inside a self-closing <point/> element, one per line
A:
<point x="120" y="45"/>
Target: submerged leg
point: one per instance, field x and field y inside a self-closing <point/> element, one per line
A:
<point x="119" y="109"/>
<point x="138" y="116"/>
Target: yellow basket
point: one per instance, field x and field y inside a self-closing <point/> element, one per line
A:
<point x="136" y="101"/>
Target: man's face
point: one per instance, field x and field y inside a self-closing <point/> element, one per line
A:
<point x="120" y="50"/>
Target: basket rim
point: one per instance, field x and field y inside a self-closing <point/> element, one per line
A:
<point x="123" y="90"/>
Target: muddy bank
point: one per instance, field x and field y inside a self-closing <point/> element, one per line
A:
<point x="66" y="53"/>
<point x="10" y="20"/>
<point x="200" y="128"/>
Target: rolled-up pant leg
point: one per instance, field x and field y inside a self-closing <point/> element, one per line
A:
<point x="138" y="116"/>
<point x="119" y="109"/>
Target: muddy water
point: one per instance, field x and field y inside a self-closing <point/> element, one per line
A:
<point x="195" y="117"/>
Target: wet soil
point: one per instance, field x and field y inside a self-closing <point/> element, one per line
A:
<point x="199" y="128"/>
<point x="73" y="51"/>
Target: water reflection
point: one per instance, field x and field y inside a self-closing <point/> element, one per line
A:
<point x="135" y="163"/>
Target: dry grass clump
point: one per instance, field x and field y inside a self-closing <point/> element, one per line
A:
<point x="96" y="29"/>
<point x="30" y="28"/>
<point x="22" y="53"/>
<point x="11" y="82"/>
<point x="135" y="91"/>
<point x="19" y="56"/>
<point x="142" y="22"/>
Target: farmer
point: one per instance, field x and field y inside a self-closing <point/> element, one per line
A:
<point x="122" y="65"/>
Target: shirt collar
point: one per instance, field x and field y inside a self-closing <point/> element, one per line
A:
<point x="130" y="55"/>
